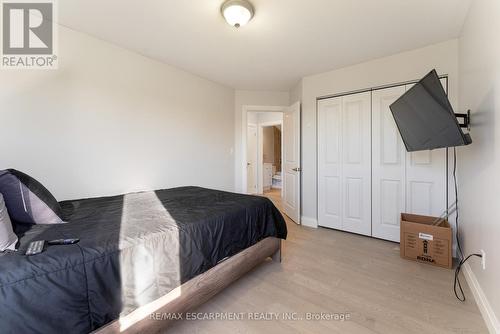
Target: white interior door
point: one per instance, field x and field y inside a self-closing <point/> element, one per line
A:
<point x="388" y="164"/>
<point x="344" y="163"/>
<point x="251" y="159"/>
<point x="291" y="162"/>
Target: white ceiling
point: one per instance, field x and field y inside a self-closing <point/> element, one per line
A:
<point x="286" y="40"/>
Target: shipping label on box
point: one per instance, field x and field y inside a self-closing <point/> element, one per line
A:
<point x="424" y="249"/>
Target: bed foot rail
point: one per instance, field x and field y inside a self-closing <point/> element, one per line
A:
<point x="277" y="255"/>
<point x="195" y="291"/>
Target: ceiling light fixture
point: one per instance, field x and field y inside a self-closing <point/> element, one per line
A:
<point x="237" y="12"/>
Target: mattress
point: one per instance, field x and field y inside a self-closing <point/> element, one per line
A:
<point x="133" y="249"/>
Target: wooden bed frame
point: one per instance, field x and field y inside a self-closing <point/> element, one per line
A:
<point x="195" y="291"/>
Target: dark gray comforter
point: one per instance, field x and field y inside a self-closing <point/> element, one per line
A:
<point x="134" y="248"/>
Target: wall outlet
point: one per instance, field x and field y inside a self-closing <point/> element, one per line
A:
<point x="483" y="259"/>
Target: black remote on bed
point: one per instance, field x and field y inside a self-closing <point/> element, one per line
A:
<point x="35" y="247"/>
<point x="63" y="241"/>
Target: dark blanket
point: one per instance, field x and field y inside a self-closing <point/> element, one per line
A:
<point x="134" y="248"/>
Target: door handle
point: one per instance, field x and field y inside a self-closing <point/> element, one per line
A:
<point x="298" y="169"/>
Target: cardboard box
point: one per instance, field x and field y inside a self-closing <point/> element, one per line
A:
<point x="423" y="242"/>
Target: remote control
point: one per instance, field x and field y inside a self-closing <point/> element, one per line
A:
<point x="63" y="241"/>
<point x="35" y="247"/>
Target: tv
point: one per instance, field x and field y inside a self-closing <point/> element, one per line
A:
<point x="425" y="118"/>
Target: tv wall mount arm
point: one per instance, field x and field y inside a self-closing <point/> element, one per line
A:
<point x="466" y="119"/>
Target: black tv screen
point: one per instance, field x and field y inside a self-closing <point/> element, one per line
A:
<point x="425" y="118"/>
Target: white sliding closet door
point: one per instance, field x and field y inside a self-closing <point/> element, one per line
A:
<point x="402" y="182"/>
<point x="426" y="179"/>
<point x="344" y="169"/>
<point x="388" y="161"/>
<point x="330" y="163"/>
<point x="356" y="165"/>
<point x="366" y="179"/>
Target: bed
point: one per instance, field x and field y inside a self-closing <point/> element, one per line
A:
<point x="134" y="250"/>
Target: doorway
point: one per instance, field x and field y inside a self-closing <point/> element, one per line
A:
<point x="271" y="157"/>
<point x="278" y="169"/>
<point x="264" y="151"/>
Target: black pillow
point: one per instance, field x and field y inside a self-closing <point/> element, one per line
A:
<point x="27" y="200"/>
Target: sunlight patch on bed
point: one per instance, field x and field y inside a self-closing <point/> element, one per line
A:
<point x="142" y="280"/>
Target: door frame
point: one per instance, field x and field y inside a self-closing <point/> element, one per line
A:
<point x="244" y="110"/>
<point x="260" y="153"/>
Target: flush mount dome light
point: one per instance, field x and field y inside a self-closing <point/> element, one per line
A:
<point x="237" y="12"/>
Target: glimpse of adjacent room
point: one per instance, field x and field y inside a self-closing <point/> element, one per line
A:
<point x="264" y="152"/>
<point x="249" y="166"/>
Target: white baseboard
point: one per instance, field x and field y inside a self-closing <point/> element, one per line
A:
<point x="309" y="222"/>
<point x="481" y="300"/>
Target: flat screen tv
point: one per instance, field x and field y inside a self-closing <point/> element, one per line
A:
<point x="425" y="118"/>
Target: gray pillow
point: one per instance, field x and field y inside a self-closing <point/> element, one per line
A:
<point x="27" y="200"/>
<point x="8" y="239"/>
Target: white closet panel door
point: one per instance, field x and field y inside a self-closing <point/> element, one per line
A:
<point x="388" y="166"/>
<point x="330" y="163"/>
<point x="356" y="163"/>
<point x="426" y="180"/>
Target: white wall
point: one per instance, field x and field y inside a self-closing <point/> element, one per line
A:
<point x="479" y="163"/>
<point x="296" y="93"/>
<point x="401" y="67"/>
<point x="252" y="118"/>
<point x="250" y="98"/>
<point x="260" y="117"/>
<point x="270" y="117"/>
<point x="110" y="121"/>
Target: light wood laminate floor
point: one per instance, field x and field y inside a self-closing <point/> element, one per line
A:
<point x="330" y="271"/>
